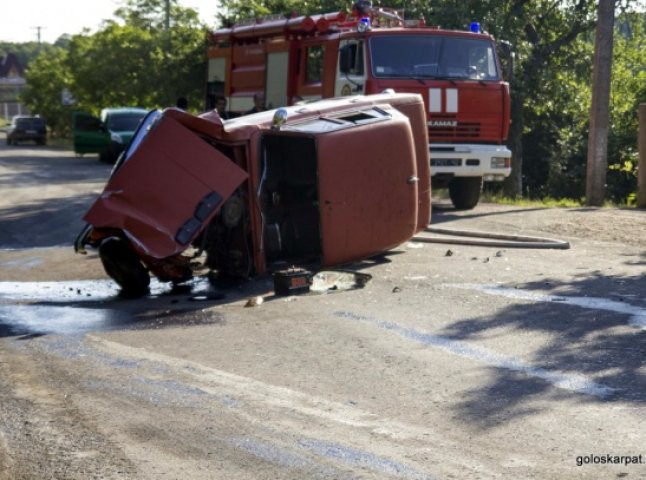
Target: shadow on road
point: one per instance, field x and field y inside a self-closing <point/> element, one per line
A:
<point x="50" y="222"/>
<point x="596" y="343"/>
<point x="54" y="167"/>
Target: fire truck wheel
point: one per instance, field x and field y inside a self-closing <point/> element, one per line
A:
<point x="124" y="267"/>
<point x="465" y="192"/>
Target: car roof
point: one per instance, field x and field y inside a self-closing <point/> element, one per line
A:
<point x="121" y="110"/>
<point x="15" y="118"/>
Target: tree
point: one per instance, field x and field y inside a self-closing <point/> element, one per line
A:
<point x="47" y="76"/>
<point x="599" y="113"/>
<point x="114" y="67"/>
<point x="25" y="52"/>
<point x="628" y="91"/>
<point x="139" y="62"/>
<point x="232" y="11"/>
<point x="131" y="60"/>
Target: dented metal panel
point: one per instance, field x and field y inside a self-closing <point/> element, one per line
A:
<point x="160" y="188"/>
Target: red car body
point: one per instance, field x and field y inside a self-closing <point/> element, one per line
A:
<point x="338" y="181"/>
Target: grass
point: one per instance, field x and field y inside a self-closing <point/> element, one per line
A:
<point x="547" y="202"/>
<point x="550" y="202"/>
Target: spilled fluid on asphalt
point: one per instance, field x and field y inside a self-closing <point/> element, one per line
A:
<point x="81" y="306"/>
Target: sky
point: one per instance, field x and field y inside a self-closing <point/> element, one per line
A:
<point x="19" y="19"/>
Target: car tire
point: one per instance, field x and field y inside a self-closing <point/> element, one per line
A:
<point x="124" y="267"/>
<point x="465" y="192"/>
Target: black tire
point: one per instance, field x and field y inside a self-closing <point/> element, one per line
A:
<point x="124" y="267"/>
<point x="465" y="192"/>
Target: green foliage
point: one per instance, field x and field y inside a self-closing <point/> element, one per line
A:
<point x="47" y="76"/>
<point x="628" y="91"/>
<point x="25" y="52"/>
<point x="546" y="202"/>
<point x="132" y="61"/>
<point x="558" y="116"/>
<point x="232" y="11"/>
<point x="113" y="68"/>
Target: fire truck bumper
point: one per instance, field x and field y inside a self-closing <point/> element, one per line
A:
<point x="491" y="162"/>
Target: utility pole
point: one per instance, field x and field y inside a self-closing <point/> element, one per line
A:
<point x="167" y="16"/>
<point x="38" y="28"/>
<point x="599" y="112"/>
<point x="167" y="27"/>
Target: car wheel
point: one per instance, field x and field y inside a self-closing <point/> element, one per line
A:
<point x="124" y="267"/>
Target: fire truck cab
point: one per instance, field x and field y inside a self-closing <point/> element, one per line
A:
<point x="457" y="73"/>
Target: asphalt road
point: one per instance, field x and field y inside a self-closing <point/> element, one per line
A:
<point x="454" y="362"/>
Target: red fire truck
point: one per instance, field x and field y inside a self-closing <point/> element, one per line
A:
<point x="458" y="74"/>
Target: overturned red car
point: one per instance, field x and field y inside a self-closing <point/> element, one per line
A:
<point x="323" y="183"/>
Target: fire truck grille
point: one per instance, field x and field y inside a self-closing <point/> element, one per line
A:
<point x="461" y="130"/>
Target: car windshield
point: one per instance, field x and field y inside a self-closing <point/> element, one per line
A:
<point x="125" y="122"/>
<point x="433" y="56"/>
<point x="143" y="129"/>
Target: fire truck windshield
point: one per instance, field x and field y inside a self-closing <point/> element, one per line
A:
<point x="433" y="56"/>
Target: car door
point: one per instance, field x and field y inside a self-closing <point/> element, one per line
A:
<point x="89" y="134"/>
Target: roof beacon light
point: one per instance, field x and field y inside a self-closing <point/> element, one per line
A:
<point x="475" y="27"/>
<point x="363" y="25"/>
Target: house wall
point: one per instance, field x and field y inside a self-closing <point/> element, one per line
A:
<point x="12" y="84"/>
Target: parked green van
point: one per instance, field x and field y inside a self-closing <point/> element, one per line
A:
<point x="108" y="135"/>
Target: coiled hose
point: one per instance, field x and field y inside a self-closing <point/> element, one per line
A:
<point x="490" y="239"/>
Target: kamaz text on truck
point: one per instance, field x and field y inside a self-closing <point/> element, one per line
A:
<point x="458" y="74"/>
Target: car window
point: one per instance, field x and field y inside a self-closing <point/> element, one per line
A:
<point x="125" y="122"/>
<point x="29" y="122"/>
<point x="87" y="124"/>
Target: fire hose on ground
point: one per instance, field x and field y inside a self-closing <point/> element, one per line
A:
<point x="486" y="239"/>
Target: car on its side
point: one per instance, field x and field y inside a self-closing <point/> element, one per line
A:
<point x="107" y="135"/>
<point x="322" y="184"/>
<point x="27" y="128"/>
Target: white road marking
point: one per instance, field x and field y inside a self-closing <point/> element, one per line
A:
<point x="567" y="381"/>
<point x="637" y="314"/>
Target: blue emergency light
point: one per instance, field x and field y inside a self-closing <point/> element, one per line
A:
<point x="475" y="27"/>
<point x="364" y="24"/>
